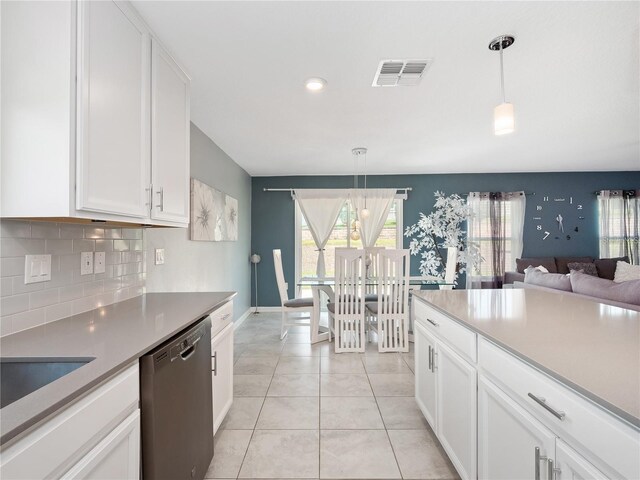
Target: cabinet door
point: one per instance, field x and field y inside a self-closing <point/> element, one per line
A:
<point x="571" y="465"/>
<point x="116" y="456"/>
<point x="508" y="437"/>
<point x="169" y="138"/>
<point x="456" y="409"/>
<point x="425" y="376"/>
<point x="222" y="374"/>
<point x="113" y="110"/>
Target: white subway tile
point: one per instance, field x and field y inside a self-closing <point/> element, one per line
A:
<point x="61" y="278"/>
<point x="14" y="304"/>
<point x="83" y="304"/>
<point x="136" y="245"/>
<point x="71" y="231"/>
<point x="15" y="229"/>
<point x="121" y="245"/>
<point x="69" y="262"/>
<point x="113" y="258"/>
<point x="6" y="325"/>
<point x="16" y="247"/>
<point x="59" y="246"/>
<point x="70" y="292"/>
<point x="92" y="232"/>
<point x="112" y="233"/>
<point x="78" y="279"/>
<point x="83" y="245"/>
<point x="58" y="311"/>
<point x="43" y="298"/>
<point x="132" y="233"/>
<point x="104" y="245"/>
<point x="106" y="298"/>
<point x="6" y="286"/>
<point x="30" y="319"/>
<point x="92" y="288"/>
<point x="111" y="284"/>
<point x="11" y="266"/>
<point x="20" y="287"/>
<point x="45" y="230"/>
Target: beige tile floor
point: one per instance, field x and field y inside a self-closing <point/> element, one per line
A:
<point x="303" y="411"/>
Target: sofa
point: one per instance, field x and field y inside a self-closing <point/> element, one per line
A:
<point x="622" y="294"/>
<point x="606" y="267"/>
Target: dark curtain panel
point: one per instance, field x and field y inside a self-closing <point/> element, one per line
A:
<point x="631" y="225"/>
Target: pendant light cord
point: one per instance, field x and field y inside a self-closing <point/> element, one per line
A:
<point x="502" y="75"/>
<point x="365" y="180"/>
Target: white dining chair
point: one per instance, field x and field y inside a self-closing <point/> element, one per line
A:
<point x="289" y="307"/>
<point x="347" y="311"/>
<point x="390" y="313"/>
<point x="371" y="271"/>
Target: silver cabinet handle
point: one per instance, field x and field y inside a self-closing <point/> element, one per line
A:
<point x="149" y="195"/>
<point x="550" y="469"/>
<point x="537" y="458"/>
<point x="434" y="365"/>
<point x="543" y="403"/>
<point x="433" y="323"/>
<point x="224" y="317"/>
<point x="161" y="204"/>
<point x="215" y="364"/>
<point x="430" y="357"/>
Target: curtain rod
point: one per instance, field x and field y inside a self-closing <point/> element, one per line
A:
<point x="526" y="194"/>
<point x="406" y="189"/>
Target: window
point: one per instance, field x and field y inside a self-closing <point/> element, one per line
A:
<point x="619" y="215"/>
<point x="496" y="229"/>
<point x="307" y="255"/>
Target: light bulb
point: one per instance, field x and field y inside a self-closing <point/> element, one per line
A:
<point x="315" y="84"/>
<point x="503" y="119"/>
<point x="355" y="235"/>
<point x="364" y="213"/>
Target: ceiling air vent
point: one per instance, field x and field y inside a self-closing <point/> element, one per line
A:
<point x="392" y="73"/>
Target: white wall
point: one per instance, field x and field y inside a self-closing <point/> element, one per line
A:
<point x="206" y="266"/>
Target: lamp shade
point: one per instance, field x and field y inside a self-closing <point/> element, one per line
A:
<point x="503" y="119"/>
<point x="255" y="258"/>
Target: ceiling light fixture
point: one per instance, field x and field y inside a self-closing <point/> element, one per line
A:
<point x="315" y="84"/>
<point x="503" y="115"/>
<point x="362" y="152"/>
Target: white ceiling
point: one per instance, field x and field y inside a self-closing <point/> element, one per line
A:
<point x="572" y="74"/>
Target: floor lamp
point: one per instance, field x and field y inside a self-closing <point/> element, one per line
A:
<point x="255" y="259"/>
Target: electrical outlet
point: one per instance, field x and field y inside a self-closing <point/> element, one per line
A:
<point x="159" y="256"/>
<point x="86" y="263"/>
<point x="99" y="261"/>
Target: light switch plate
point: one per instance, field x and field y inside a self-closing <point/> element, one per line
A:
<point x="37" y="268"/>
<point x="99" y="261"/>
<point x="159" y="256"/>
<point x="86" y="263"/>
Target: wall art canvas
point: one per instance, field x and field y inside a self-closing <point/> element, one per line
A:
<point x="214" y="214"/>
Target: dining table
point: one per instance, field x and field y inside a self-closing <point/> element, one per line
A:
<point x="320" y="285"/>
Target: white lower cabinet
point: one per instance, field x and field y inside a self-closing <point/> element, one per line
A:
<point x="222" y="371"/>
<point x="115" y="457"/>
<point x="570" y="465"/>
<point x="511" y="443"/>
<point x="446" y="394"/>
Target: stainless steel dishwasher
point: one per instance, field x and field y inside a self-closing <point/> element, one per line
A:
<point x="176" y="410"/>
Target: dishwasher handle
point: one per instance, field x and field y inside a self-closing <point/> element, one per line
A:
<point x="188" y="352"/>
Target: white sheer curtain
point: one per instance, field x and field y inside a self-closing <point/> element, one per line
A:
<point x="321" y="208"/>
<point x="497" y="228"/>
<point x="378" y="201"/>
<point x="619" y="214"/>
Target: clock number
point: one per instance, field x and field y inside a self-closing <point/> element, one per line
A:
<point x="579" y="207"/>
<point x="546" y="234"/>
<point x="539" y="208"/>
<point x="538" y="227"/>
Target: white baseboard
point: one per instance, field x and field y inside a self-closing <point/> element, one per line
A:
<point x="269" y="309"/>
<point x="242" y="318"/>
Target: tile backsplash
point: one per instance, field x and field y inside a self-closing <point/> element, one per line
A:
<point x="67" y="293"/>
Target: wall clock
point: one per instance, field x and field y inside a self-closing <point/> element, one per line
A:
<point x="555" y="217"/>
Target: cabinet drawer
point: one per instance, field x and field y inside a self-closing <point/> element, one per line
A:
<point x="221" y="317"/>
<point x="51" y="448"/>
<point x="461" y="339"/>
<point x="609" y="443"/>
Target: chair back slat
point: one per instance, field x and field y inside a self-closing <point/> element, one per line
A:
<point x="393" y="301"/>
<point x="282" y="284"/>
<point x="349" y="300"/>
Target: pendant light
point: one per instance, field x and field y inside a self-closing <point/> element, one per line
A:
<point x="503" y="115"/>
<point x="355" y="224"/>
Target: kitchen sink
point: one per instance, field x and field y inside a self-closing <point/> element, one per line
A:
<point x="21" y="376"/>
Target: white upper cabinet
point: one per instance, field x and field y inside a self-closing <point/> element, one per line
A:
<point x="108" y="118"/>
<point x="113" y="111"/>
<point x="169" y="137"/>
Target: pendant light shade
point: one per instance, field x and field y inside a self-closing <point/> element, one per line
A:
<point x="364" y="213"/>
<point x="503" y="114"/>
<point x="503" y="119"/>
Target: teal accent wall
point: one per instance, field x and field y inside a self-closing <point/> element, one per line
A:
<point x="272" y="213"/>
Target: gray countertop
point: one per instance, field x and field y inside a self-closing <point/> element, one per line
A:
<point x="115" y="335"/>
<point x="590" y="347"/>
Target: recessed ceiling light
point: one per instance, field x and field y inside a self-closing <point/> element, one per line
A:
<point x="315" y="84"/>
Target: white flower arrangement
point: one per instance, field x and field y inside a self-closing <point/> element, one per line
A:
<point x="442" y="228"/>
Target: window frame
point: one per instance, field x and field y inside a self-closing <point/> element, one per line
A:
<point x="399" y="199"/>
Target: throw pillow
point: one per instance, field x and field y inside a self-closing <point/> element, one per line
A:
<point x="557" y="281"/>
<point x="588" y="268"/>
<point x="626" y="272"/>
<point x="562" y="262"/>
<point x="607" y="266"/>
<point x="627" y="292"/>
<point x="547" y="262"/>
